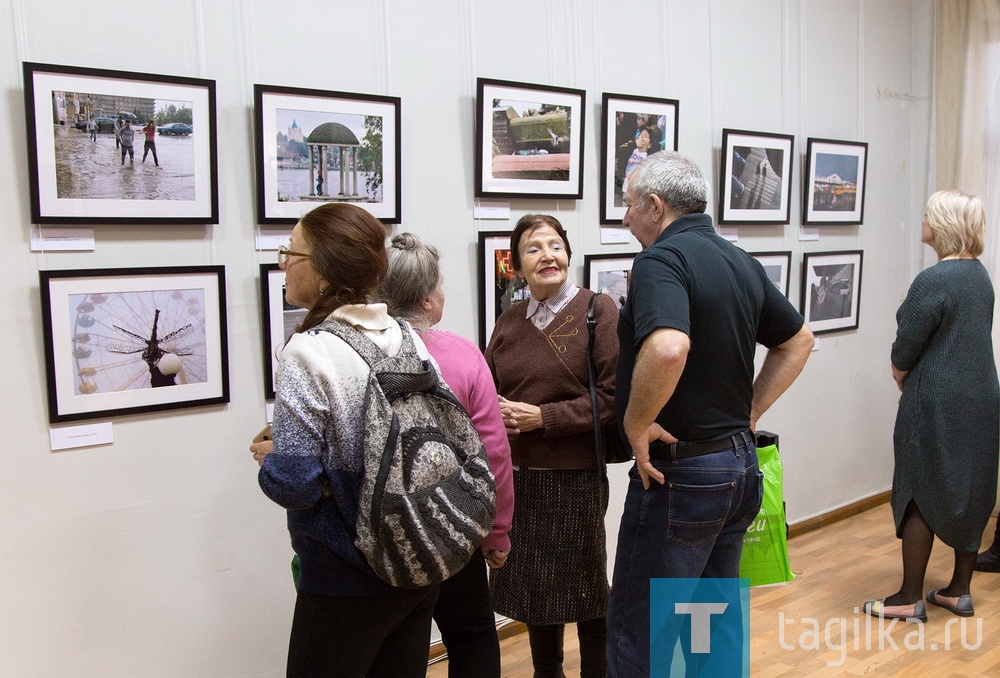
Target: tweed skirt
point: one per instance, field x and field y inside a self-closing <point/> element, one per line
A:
<point x="557" y="571"/>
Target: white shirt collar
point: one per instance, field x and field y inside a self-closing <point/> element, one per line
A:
<point x="367" y="316"/>
<point x="556" y="302"/>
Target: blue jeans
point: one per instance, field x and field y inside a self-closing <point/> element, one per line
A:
<point x="692" y="526"/>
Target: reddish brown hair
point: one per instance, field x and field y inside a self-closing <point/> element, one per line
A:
<point x="348" y="250"/>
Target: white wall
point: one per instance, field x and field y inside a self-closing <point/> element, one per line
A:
<point x="158" y="555"/>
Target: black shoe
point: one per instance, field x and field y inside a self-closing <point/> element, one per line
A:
<point x="988" y="560"/>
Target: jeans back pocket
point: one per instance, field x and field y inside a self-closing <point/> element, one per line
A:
<point x="697" y="513"/>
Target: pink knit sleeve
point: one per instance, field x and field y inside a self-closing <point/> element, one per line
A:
<point x="485" y="412"/>
<point x="464" y="369"/>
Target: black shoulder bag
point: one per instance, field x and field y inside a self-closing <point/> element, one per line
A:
<point x="608" y="441"/>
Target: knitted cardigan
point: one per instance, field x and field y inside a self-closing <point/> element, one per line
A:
<point x="549" y="368"/>
<point x="320" y="388"/>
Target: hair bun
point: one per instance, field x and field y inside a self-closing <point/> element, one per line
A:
<point x="405" y="241"/>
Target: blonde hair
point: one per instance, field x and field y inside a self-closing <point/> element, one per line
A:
<point x="957" y="221"/>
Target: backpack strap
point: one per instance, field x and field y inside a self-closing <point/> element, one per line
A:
<point x="393" y="384"/>
<point x="365" y="347"/>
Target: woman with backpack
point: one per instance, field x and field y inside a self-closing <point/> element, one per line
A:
<point x="347" y="622"/>
<point x="413" y="290"/>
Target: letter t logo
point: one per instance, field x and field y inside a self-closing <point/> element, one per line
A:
<point x="701" y="623"/>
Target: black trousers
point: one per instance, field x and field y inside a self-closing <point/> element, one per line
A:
<point x="147" y="147"/>
<point x="464" y="615"/>
<point x="355" y="636"/>
<point x="547" y="648"/>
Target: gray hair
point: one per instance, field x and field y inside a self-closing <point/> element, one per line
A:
<point x="413" y="274"/>
<point x="674" y="178"/>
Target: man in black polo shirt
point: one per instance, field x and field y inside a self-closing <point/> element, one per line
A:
<point x="686" y="396"/>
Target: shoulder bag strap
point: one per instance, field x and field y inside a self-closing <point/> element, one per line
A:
<point x="592" y="384"/>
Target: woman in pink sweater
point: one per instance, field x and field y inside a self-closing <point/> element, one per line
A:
<point x="412" y="289"/>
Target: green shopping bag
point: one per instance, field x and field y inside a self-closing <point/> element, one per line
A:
<point x="765" y="545"/>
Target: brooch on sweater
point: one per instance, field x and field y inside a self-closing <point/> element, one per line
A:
<point x="556" y="334"/>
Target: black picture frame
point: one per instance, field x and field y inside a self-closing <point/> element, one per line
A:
<point x="778" y="266"/>
<point x="831" y="290"/>
<point x="278" y="320"/>
<point x="78" y="178"/>
<point x="326" y="122"/>
<point x="620" y="128"/>
<point x="499" y="286"/>
<point x="535" y="140"/>
<point x="836" y="174"/>
<point x="609" y="274"/>
<point x="98" y="359"/>
<point x="756" y="179"/>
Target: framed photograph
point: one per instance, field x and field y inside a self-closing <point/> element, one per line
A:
<point x="278" y="319"/>
<point x="835" y="182"/>
<point x="116" y="147"/>
<point x="831" y="290"/>
<point x="315" y="146"/>
<point x="776" y="265"/>
<point x="632" y="128"/>
<point x="529" y="140"/>
<point x="756" y="177"/>
<point x="130" y="340"/>
<point x="609" y="274"/>
<point x="499" y="287"/>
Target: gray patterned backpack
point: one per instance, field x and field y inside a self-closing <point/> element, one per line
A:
<point x="427" y="494"/>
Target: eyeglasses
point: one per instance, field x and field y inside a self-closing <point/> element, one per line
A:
<point x="284" y="253"/>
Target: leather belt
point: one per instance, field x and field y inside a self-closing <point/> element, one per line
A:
<point x="659" y="450"/>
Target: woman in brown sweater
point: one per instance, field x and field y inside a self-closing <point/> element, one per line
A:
<point x="557" y="569"/>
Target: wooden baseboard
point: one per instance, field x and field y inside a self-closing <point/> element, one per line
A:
<point x="836" y="515"/>
<point x="505" y="630"/>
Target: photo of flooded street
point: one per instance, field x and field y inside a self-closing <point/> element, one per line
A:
<point x="93" y="169"/>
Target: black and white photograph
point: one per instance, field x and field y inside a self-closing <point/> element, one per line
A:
<point x="609" y="274"/>
<point x="632" y="128"/>
<point x="122" y="341"/>
<point x="499" y="286"/>
<point x="755" y="186"/>
<point x="316" y="146"/>
<point x="831" y="290"/>
<point x="529" y="140"/>
<point x="119" y="147"/>
<point x="776" y="266"/>
<point x="278" y="320"/>
<point x="835" y="182"/>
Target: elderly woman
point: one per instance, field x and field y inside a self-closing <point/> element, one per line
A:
<point x="946" y="435"/>
<point x="347" y="621"/>
<point x="413" y="289"/>
<point x="557" y="570"/>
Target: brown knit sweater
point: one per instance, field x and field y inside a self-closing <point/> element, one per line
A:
<point x="549" y="368"/>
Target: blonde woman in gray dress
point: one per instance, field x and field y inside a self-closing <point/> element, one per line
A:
<point x="948" y="427"/>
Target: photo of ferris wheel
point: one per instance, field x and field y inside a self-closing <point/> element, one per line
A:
<point x="124" y="341"/>
<point x="138" y="339"/>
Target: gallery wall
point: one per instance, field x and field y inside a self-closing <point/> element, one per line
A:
<point x="157" y="555"/>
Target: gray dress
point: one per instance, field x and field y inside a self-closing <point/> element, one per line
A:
<point x="947" y="431"/>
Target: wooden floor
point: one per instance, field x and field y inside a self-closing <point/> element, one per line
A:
<point x="838" y="567"/>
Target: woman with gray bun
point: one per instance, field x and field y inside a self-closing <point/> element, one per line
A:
<point x="413" y="289"/>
